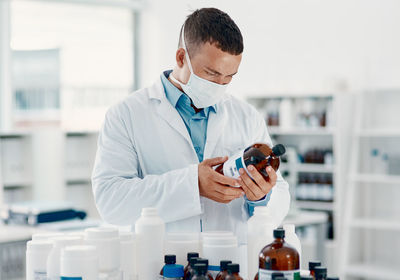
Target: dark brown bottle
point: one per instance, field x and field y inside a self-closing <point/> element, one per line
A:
<point x="192" y="272"/>
<point x="199" y="270"/>
<point x="279" y="257"/>
<point x="320" y="273"/>
<point x="312" y="265"/>
<point x="233" y="272"/>
<point x="259" y="155"/>
<point x="188" y="267"/>
<point x="223" y="266"/>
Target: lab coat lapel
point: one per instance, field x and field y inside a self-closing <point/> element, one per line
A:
<point x="216" y="123"/>
<point x="167" y="112"/>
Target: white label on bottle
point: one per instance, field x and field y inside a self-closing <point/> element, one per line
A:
<point x="233" y="164"/>
<point x="266" y="274"/>
<point x="39" y="275"/>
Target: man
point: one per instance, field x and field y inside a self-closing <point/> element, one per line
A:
<point x="159" y="147"/>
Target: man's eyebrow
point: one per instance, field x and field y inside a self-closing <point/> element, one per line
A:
<point x="216" y="72"/>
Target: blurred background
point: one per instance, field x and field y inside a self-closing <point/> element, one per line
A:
<point x="324" y="74"/>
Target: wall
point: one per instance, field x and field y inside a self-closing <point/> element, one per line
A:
<point x="296" y="46"/>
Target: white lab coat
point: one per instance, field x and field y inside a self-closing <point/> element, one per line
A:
<point x="145" y="158"/>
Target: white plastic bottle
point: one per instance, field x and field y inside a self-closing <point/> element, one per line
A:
<point x="54" y="259"/>
<point x="150" y="231"/>
<point x="79" y="262"/>
<point x="219" y="247"/>
<point x="128" y="252"/>
<point x="107" y="242"/>
<point x="286" y="113"/>
<point x="292" y="238"/>
<point x="37" y="252"/>
<point x="260" y="229"/>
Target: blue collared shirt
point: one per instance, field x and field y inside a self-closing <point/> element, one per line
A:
<point x="196" y="124"/>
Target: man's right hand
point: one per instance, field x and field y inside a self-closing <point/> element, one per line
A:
<point x="214" y="185"/>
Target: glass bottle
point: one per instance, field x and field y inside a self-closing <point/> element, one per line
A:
<point x="200" y="270"/>
<point x="279" y="257"/>
<point x="312" y="265"/>
<point x="259" y="155"/>
<point x="223" y="266"/>
<point x="233" y="272"/>
<point x="188" y="267"/>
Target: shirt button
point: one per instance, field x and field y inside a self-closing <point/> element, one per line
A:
<point x="197" y="149"/>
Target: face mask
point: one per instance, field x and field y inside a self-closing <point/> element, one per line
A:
<point x="202" y="92"/>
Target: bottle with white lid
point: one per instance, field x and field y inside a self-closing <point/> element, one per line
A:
<point x="53" y="261"/>
<point x="37" y="252"/>
<point x="128" y="260"/>
<point x="80" y="262"/>
<point x="46" y="235"/>
<point x="292" y="238"/>
<point x="260" y="229"/>
<point x="180" y="243"/>
<point x="150" y="231"/>
<point x="217" y="248"/>
<point x="107" y="242"/>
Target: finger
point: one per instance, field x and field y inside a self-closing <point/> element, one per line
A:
<point x="264" y="185"/>
<point x="225" y="180"/>
<point x="258" y="178"/>
<point x="219" y="197"/>
<point x="215" y="161"/>
<point x="248" y="183"/>
<point x="272" y="175"/>
<point x="229" y="191"/>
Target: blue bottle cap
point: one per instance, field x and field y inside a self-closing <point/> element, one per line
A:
<point x="173" y="271"/>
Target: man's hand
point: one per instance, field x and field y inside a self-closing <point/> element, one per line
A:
<point x="214" y="185"/>
<point x="257" y="189"/>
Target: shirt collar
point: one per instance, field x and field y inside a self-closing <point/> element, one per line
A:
<point x="173" y="93"/>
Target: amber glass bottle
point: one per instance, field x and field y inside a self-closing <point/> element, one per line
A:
<point x="223" y="266"/>
<point x="233" y="272"/>
<point x="279" y="257"/>
<point x="259" y="155"/>
<point x="312" y="265"/>
<point x="188" y="267"/>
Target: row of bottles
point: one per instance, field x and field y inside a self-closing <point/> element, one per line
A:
<point x="315" y="187"/>
<point x="279" y="261"/>
<point x="197" y="269"/>
<point x="307" y="112"/>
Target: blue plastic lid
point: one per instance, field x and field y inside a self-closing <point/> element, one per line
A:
<point x="173" y="270"/>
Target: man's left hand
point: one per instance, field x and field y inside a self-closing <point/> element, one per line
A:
<point x="257" y="189"/>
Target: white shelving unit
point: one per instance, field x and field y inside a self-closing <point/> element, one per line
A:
<point x="370" y="248"/>
<point x="68" y="166"/>
<point x="332" y="137"/>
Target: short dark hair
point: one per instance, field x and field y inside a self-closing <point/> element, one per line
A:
<point x="213" y="26"/>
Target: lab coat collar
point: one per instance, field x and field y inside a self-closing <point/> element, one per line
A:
<point x="216" y="121"/>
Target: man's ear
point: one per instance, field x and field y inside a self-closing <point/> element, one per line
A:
<point x="180" y="56"/>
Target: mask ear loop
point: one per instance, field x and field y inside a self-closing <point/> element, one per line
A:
<point x="186" y="51"/>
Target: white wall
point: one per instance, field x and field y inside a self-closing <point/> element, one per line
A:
<point x="296" y="46"/>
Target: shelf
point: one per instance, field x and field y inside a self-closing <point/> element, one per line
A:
<point x="380" y="132"/>
<point x="372" y="271"/>
<point x="315" y="205"/>
<point x="310" y="167"/>
<point x="320" y="131"/>
<point x="376" y="178"/>
<point x="376" y="223"/>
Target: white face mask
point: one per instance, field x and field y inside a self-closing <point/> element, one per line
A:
<point x="202" y="92"/>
